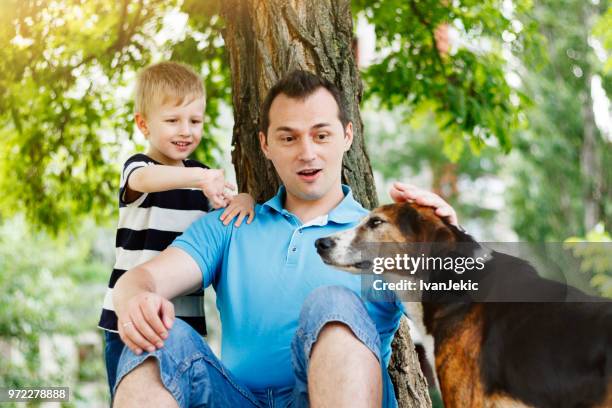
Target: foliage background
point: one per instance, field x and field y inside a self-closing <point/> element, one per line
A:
<point x="500" y="106"/>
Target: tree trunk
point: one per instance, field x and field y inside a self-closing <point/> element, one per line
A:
<point x="590" y="163"/>
<point x="589" y="160"/>
<point x="405" y="371"/>
<point x="267" y="39"/>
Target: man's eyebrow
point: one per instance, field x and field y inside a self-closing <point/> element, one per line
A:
<point x="290" y="129"/>
<point x="284" y="128"/>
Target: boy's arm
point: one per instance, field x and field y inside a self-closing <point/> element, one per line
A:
<point x="141" y="297"/>
<point x="155" y="178"/>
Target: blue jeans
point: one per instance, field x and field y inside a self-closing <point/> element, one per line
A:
<point x="197" y="378"/>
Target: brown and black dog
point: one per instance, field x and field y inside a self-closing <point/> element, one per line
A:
<point x="493" y="354"/>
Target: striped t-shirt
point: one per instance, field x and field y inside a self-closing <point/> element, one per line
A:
<point x="146" y="227"/>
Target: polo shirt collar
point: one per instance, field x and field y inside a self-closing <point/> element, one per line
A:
<point x="347" y="211"/>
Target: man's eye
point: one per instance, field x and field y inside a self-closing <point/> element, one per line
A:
<point x="374" y="222"/>
<point x="287" y="138"/>
<point x="322" y="136"/>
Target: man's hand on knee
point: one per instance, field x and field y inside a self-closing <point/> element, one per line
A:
<point x="145" y="322"/>
<point x="141" y="295"/>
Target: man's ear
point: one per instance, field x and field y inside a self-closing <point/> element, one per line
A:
<point x="348" y="136"/>
<point x="263" y="143"/>
<point x="141" y="122"/>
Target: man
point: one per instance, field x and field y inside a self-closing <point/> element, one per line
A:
<point x="294" y="330"/>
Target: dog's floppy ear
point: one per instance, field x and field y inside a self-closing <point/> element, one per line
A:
<point x="467" y="245"/>
<point x="444" y="234"/>
<point x="443" y="240"/>
<point x="459" y="234"/>
<point x="409" y="221"/>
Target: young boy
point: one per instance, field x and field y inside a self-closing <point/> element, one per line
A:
<point x="162" y="192"/>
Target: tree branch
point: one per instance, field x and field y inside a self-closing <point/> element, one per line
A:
<point x="432" y="33"/>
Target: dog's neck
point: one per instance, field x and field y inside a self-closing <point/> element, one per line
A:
<point x="441" y="308"/>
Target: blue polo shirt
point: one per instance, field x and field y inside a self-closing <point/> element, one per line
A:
<point x="262" y="272"/>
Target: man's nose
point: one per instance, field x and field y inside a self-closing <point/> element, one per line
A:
<point x="307" y="149"/>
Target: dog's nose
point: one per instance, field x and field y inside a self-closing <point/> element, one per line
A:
<point x="323" y="244"/>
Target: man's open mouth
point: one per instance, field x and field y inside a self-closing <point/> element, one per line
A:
<point x="309" y="172"/>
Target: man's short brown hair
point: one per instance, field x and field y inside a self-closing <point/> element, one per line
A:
<point x="300" y="84"/>
<point x="166" y="82"/>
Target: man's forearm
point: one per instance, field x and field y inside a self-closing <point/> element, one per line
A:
<point x="140" y="297"/>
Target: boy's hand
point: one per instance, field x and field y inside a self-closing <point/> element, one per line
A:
<point x="145" y="322"/>
<point x="240" y="205"/>
<point x="213" y="186"/>
<point x="407" y="192"/>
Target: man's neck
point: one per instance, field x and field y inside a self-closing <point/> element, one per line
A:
<point x="307" y="210"/>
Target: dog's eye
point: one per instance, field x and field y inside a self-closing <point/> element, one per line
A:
<point x="374" y="222"/>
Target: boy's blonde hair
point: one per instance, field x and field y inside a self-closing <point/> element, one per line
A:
<point x="166" y="82"/>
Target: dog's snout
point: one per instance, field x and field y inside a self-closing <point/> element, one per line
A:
<point x="325" y="244"/>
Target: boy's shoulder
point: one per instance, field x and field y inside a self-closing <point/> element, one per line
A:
<point x="138" y="158"/>
<point x="143" y="158"/>
<point x="194" y="163"/>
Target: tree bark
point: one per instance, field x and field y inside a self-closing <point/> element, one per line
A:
<point x="408" y="380"/>
<point x="590" y="165"/>
<point x="267" y="39"/>
<point x="590" y="161"/>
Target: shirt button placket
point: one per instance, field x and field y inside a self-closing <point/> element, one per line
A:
<point x="293" y="246"/>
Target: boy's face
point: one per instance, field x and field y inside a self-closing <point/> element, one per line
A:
<point x="306" y="142"/>
<point x="173" y="131"/>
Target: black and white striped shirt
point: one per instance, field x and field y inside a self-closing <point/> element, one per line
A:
<point x="146" y="227"/>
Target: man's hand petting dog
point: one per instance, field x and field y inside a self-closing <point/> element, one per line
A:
<point x="401" y="192"/>
<point x="145" y="323"/>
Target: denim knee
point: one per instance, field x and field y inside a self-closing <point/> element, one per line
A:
<point x="332" y="304"/>
<point x="324" y="305"/>
<point x="181" y="349"/>
<point x="326" y="299"/>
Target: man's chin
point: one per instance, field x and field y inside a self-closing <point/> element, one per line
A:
<point x="311" y="196"/>
<point x="309" y="192"/>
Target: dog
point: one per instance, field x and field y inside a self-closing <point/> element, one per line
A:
<point x="496" y="353"/>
